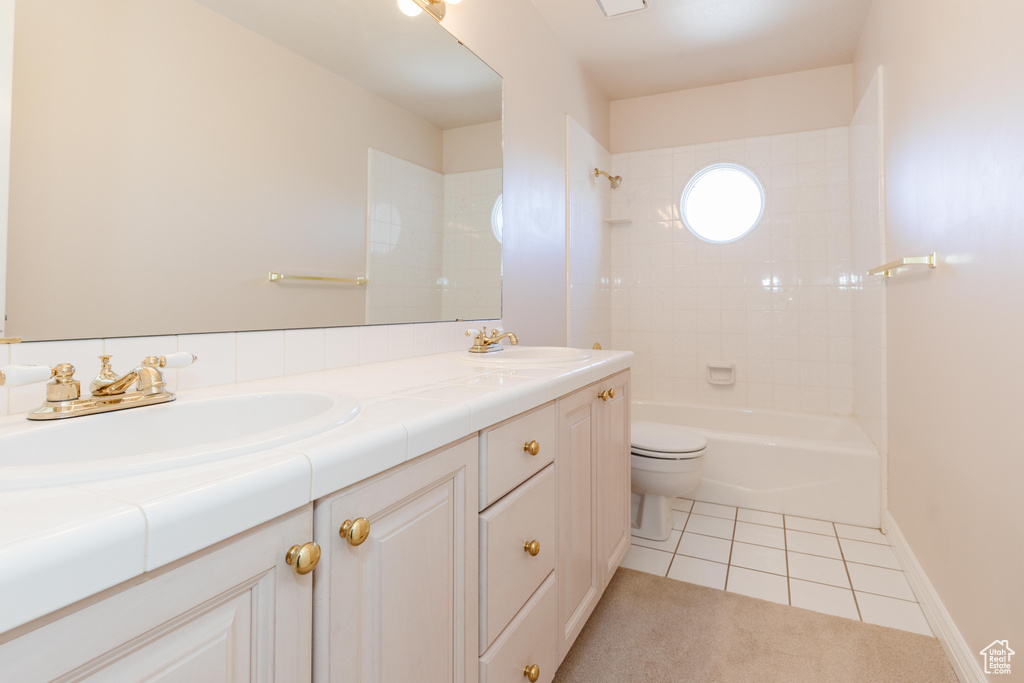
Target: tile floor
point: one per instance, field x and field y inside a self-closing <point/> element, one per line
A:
<point x="846" y="571"/>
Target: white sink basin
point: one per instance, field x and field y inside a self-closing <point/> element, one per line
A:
<point x="185" y="432"/>
<point x="527" y="355"/>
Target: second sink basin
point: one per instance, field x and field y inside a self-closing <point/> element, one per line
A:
<point x="528" y="355"/>
<point x="154" y="438"/>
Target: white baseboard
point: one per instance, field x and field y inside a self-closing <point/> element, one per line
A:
<point x="966" y="663"/>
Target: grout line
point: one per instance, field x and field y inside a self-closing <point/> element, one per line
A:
<point x="732" y="542"/>
<point x="848" y="577"/>
<point x="681" y="532"/>
<point x="761" y="571"/>
<point x="789" y="579"/>
<point x="721" y="538"/>
<point x="703" y="559"/>
<point x="891" y="597"/>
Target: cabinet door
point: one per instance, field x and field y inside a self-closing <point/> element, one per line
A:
<point x="613" y="477"/>
<point x="401" y="606"/>
<point x="235" y="613"/>
<point x="579" y="573"/>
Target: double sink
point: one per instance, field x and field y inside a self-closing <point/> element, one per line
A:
<point x="189" y="432"/>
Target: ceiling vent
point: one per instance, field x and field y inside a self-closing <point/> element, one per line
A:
<point x="617" y="8"/>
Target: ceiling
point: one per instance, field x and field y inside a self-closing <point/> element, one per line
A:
<point x="680" y="44"/>
<point x="411" y="61"/>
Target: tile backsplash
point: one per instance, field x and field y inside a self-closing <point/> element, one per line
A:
<point x="776" y="303"/>
<point x="229" y="357"/>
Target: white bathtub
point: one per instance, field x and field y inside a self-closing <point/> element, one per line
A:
<point x="804" y="465"/>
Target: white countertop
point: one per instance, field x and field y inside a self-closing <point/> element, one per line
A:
<point x="62" y="544"/>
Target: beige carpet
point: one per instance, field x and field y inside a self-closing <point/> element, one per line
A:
<point x="653" y="630"/>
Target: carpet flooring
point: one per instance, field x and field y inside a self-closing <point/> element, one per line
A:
<point x="651" y="629"/>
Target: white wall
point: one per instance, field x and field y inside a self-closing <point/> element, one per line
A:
<point x="472" y="148"/>
<point x="543" y="83"/>
<point x="789" y="103"/>
<point x="6" y="72"/>
<point x="954" y="169"/>
<point x="776" y="303"/>
<point x="590" y="239"/>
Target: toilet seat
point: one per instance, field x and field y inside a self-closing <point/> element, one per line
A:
<point x="666" y="442"/>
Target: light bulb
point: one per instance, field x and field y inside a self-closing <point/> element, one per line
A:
<point x="409" y="8"/>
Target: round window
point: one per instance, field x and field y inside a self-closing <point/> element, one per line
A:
<point x="497" y="223"/>
<point x="722" y="202"/>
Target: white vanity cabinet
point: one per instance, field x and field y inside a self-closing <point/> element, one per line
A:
<point x="234" y="612"/>
<point x="480" y="561"/>
<point x="400" y="602"/>
<point x="572" y="499"/>
<point x="592" y="471"/>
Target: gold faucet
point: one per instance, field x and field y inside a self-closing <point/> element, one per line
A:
<point x="109" y="391"/>
<point x="489" y="344"/>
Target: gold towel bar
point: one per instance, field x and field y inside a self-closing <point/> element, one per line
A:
<point x="277" y="277"/>
<point x="888" y="268"/>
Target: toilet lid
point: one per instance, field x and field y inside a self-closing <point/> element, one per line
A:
<point x="659" y="440"/>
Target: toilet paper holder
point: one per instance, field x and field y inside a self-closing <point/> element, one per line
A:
<point x="722" y="373"/>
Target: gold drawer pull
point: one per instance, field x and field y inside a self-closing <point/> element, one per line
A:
<point x="532" y="673"/>
<point x="303" y="558"/>
<point x="355" y="532"/>
<point x="606" y="394"/>
<point x="532" y="447"/>
<point x="532" y="547"/>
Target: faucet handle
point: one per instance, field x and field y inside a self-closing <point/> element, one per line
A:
<point x="473" y="333"/>
<point x="181" y="359"/>
<point x="20" y="375"/>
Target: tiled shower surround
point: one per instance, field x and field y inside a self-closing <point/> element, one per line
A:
<point x="776" y="302"/>
<point x="431" y="252"/>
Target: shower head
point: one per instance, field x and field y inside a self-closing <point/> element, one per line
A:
<point x="614" y="180"/>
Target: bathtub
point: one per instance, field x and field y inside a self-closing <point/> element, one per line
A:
<point x="805" y="465"/>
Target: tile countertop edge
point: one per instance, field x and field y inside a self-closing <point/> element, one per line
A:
<point x="100" y="541"/>
<point x="152" y="529"/>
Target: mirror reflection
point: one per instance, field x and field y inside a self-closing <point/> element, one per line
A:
<point x="167" y="156"/>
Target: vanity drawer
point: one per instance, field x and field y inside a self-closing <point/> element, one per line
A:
<point x="509" y="574"/>
<point x="530" y="640"/>
<point x="505" y="460"/>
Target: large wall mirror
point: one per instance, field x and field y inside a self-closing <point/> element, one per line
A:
<point x="168" y="155"/>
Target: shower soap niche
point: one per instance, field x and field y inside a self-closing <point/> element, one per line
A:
<point x="721" y="373"/>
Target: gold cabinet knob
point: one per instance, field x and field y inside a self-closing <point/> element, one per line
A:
<point x="532" y="547"/>
<point x="355" y="532"/>
<point x="532" y="447"/>
<point x="607" y="394"/>
<point x="303" y="558"/>
<point x="532" y="673"/>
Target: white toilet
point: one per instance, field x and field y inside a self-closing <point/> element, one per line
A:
<point x="667" y="462"/>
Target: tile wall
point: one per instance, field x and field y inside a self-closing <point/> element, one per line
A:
<point x="867" y="211"/>
<point x="590" y="239"/>
<point x="471" y="253"/>
<point x="776" y="303"/>
<point x="225" y="358"/>
<point x="404" y="240"/>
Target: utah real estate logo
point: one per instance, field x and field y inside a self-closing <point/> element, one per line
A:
<point x="997" y="657"/>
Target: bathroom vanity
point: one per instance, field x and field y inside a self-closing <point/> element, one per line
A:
<point x="461" y="528"/>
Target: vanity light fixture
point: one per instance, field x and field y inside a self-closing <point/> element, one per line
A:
<point x="434" y="8"/>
